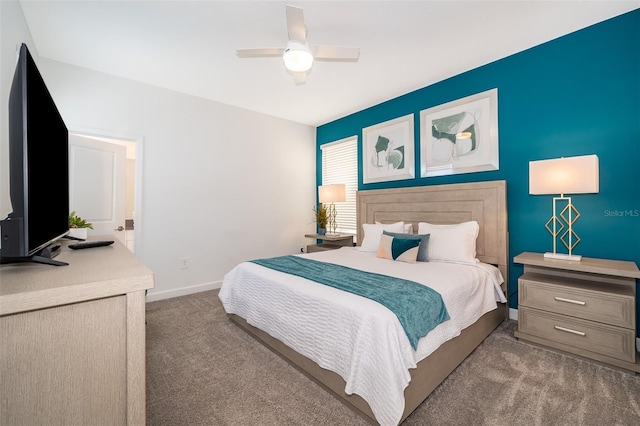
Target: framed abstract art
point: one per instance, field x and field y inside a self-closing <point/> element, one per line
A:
<point x="460" y="136"/>
<point x="388" y="150"/>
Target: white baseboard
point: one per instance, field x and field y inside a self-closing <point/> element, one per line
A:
<point x="513" y="314"/>
<point x="183" y="291"/>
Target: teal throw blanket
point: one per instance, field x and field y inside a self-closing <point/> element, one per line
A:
<point x="419" y="308"/>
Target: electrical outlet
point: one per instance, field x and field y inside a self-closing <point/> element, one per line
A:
<point x="184" y="263"/>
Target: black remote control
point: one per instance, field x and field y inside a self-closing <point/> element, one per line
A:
<point x="90" y="244"/>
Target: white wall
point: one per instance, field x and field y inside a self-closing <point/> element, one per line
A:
<point x="220" y="184"/>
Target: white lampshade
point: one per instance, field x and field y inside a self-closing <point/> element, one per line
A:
<point x="334" y="193"/>
<point x="297" y="57"/>
<point x="570" y="175"/>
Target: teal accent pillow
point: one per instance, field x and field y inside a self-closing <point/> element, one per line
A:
<point x="401" y="249"/>
<point x="424" y="243"/>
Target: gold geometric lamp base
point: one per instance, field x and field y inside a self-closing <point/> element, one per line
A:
<point x="569" y="238"/>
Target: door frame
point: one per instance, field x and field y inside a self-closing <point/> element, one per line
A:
<point x="138" y="195"/>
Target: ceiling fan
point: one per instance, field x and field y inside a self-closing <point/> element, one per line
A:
<point x="298" y="55"/>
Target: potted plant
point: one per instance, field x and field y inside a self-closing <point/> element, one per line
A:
<point x="322" y="217"/>
<point x="78" y="226"/>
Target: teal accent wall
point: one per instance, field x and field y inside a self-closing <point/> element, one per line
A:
<point x="575" y="95"/>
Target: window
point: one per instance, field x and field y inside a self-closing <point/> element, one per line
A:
<point x="340" y="165"/>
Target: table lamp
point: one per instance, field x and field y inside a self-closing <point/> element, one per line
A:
<point x="570" y="175"/>
<point x="329" y="194"/>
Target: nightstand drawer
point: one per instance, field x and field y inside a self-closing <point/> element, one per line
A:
<point x="322" y="247"/>
<point x="594" y="337"/>
<point x="585" y="301"/>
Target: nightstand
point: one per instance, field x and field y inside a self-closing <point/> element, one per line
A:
<point x="586" y="308"/>
<point x="329" y="242"/>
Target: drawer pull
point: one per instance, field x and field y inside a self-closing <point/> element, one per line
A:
<point x="568" y="330"/>
<point x="575" y="302"/>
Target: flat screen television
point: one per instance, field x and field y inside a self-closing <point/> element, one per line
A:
<point x="38" y="170"/>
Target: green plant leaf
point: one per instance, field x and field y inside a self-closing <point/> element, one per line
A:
<point x="78" y="222"/>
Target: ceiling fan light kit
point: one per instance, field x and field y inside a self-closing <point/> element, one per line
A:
<point x="297" y="57"/>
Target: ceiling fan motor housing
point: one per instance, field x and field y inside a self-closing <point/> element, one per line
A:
<point x="297" y="57"/>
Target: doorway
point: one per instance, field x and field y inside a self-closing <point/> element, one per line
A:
<point x="104" y="184"/>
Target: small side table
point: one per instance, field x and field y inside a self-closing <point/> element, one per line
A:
<point x="586" y="308"/>
<point x="329" y="242"/>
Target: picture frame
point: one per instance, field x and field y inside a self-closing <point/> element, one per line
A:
<point x="388" y="150"/>
<point x="460" y="136"/>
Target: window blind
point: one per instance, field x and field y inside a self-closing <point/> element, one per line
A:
<point x="340" y="165"/>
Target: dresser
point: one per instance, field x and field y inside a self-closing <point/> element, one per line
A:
<point x="586" y="308"/>
<point x="73" y="339"/>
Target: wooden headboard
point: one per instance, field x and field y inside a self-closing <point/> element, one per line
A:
<point x="484" y="202"/>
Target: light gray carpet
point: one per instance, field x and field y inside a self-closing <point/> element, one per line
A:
<point x="203" y="370"/>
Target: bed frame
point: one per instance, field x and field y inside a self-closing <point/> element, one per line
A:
<point x="484" y="202"/>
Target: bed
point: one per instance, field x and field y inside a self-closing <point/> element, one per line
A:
<point x="379" y="377"/>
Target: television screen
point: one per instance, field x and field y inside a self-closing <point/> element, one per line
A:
<point x="38" y="165"/>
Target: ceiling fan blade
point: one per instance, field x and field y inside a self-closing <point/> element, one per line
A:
<point x="253" y="53"/>
<point x="299" y="77"/>
<point x="336" y="53"/>
<point x="295" y="24"/>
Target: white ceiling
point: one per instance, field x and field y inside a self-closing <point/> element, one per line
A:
<point x="189" y="46"/>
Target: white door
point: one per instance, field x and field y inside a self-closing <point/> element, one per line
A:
<point x="97" y="184"/>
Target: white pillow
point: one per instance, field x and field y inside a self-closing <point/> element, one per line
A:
<point x="408" y="227"/>
<point x="451" y="243"/>
<point x="372" y="233"/>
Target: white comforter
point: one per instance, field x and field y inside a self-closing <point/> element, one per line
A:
<point x="355" y="337"/>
